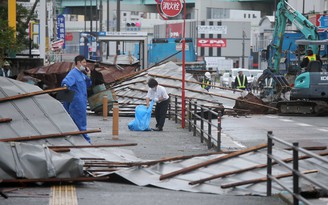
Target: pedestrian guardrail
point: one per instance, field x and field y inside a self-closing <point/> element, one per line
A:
<point x="296" y="173"/>
<point x="199" y="120"/>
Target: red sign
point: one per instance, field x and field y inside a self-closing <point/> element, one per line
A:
<point x="69" y="36"/>
<point x="174" y="30"/>
<point x="171" y="8"/>
<point x="211" y="42"/>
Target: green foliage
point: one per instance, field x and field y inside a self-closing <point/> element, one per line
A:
<point x="8" y="43"/>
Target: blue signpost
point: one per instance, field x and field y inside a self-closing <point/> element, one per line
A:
<point x="61" y="31"/>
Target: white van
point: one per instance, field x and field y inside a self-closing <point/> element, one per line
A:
<point x="255" y="72"/>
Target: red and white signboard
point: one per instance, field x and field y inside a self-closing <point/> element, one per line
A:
<point x="57" y="45"/>
<point x="211" y="42"/>
<point x="171" y="8"/>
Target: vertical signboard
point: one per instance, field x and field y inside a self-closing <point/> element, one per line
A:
<point x="61" y="28"/>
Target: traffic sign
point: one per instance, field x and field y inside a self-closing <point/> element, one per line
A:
<point x="171" y="8"/>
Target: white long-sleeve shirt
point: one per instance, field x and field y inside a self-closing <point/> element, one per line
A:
<point x="159" y="93"/>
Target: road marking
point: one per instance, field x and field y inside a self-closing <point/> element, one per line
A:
<point x="304" y="125"/>
<point x="63" y="195"/>
<point x="323" y="130"/>
<point x="287" y="120"/>
<point x="271" y="116"/>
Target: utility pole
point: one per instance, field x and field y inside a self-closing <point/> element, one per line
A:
<point x="97" y="15"/>
<point x="118" y="16"/>
<point x="85" y="15"/>
<point x="107" y="15"/>
<point x="42" y="32"/>
<point x="118" y="23"/>
<point x="91" y="17"/>
<point x="243" y="51"/>
<point x="101" y="15"/>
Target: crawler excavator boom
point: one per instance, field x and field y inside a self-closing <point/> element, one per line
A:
<point x="307" y="89"/>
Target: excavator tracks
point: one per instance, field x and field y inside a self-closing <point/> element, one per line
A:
<point x="303" y="107"/>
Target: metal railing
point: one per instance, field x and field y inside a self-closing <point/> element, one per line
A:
<point x="197" y="122"/>
<point x="296" y="174"/>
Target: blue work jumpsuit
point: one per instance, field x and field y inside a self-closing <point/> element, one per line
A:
<point x="78" y="82"/>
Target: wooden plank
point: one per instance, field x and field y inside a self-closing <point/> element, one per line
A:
<point x="212" y="161"/>
<point x="2" y="120"/>
<point x="25" y="95"/>
<point x="263" y="179"/>
<point x="224" y="174"/>
<point x="148" y="163"/>
<point x="94" y="146"/>
<point x="37" y="137"/>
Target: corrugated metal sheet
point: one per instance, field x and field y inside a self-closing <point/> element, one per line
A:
<point x="150" y="175"/>
<point x="33" y="116"/>
<point x="169" y="75"/>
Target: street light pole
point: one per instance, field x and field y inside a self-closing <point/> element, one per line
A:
<point x="183" y="65"/>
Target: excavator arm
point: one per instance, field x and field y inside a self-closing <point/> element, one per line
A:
<point x="284" y="13"/>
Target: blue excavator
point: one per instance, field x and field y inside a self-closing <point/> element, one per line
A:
<point x="296" y="91"/>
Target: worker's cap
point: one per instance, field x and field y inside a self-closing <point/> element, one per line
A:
<point x="240" y="71"/>
<point x="208" y="75"/>
<point x="6" y="63"/>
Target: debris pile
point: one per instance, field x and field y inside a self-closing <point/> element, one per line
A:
<point x="252" y="104"/>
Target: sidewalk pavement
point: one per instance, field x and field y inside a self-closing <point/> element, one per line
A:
<point x="172" y="141"/>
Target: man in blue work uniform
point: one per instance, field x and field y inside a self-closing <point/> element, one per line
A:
<point x="78" y="80"/>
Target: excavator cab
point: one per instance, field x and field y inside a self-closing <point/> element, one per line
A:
<point x="310" y="92"/>
<point x="314" y="66"/>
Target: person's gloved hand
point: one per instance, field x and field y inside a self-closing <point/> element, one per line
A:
<point x="155" y="99"/>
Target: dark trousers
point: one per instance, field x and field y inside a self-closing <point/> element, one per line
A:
<point x="160" y="112"/>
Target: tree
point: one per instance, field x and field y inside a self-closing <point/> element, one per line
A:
<point x="7" y="40"/>
<point x="8" y="43"/>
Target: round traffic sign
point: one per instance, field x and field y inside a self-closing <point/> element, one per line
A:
<point x="171" y="8"/>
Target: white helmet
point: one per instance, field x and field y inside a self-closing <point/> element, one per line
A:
<point x="6" y="63"/>
<point x="208" y="75"/>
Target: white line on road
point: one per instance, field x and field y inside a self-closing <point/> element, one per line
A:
<point x="304" y="125"/>
<point x="287" y="120"/>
